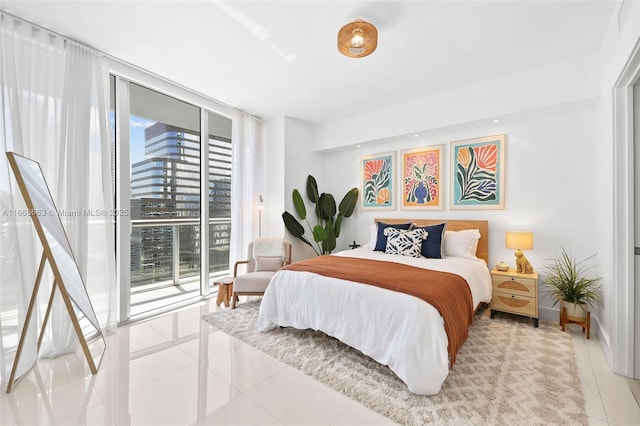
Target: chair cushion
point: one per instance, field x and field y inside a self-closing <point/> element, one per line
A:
<point x="252" y="282"/>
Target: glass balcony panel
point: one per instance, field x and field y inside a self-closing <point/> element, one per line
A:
<point x="219" y="239"/>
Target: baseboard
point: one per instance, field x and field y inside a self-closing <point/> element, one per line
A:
<point x="553" y="315"/>
<point x="549" y="314"/>
<point x="634" y="385"/>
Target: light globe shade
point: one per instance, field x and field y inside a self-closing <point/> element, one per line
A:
<point x="519" y="240"/>
<point x="357" y="39"/>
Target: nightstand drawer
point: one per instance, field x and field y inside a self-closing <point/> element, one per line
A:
<point x="514" y="285"/>
<point x="515" y="304"/>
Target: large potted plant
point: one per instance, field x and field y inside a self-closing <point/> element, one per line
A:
<point x="327" y="227"/>
<point x="567" y="283"/>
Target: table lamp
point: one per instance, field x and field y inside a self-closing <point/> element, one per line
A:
<point x="520" y="240"/>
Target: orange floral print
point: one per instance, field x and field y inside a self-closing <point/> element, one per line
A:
<point x="487" y="157"/>
<point x="384" y="196"/>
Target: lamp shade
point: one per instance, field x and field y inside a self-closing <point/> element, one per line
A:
<point x="522" y="240"/>
<point x="357" y="39"/>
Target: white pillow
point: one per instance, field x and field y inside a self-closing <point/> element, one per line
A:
<point x="373" y="236"/>
<point x="461" y="243"/>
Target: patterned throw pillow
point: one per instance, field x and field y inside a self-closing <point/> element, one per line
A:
<point x="404" y="243"/>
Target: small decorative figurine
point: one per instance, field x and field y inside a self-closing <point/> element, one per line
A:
<point x="522" y="264"/>
<point x="354" y="245"/>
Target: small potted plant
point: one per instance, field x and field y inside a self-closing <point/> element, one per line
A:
<point x="567" y="283"/>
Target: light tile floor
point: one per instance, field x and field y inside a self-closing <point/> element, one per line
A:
<point x="175" y="370"/>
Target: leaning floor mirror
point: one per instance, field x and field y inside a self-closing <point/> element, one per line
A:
<point x="67" y="279"/>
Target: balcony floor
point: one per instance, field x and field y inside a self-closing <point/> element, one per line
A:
<point x="147" y="301"/>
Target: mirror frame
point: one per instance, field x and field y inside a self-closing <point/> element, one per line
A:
<point x="48" y="255"/>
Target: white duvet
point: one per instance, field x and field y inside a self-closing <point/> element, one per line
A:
<point x="396" y="329"/>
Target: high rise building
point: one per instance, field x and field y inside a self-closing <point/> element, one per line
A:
<point x="165" y="188"/>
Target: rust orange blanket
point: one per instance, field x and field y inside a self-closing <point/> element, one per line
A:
<point x="448" y="293"/>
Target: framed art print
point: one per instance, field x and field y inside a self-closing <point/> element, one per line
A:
<point x="422" y="178"/>
<point x="478" y="173"/>
<point x="377" y="176"/>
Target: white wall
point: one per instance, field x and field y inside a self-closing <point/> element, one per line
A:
<point x="551" y="178"/>
<point x="550" y="187"/>
<point x="570" y="80"/>
<point x="553" y="186"/>
<point x="553" y="183"/>
<point x="300" y="161"/>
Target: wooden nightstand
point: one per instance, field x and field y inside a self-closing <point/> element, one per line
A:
<point x="515" y="293"/>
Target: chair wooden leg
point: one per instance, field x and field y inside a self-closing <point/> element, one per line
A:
<point x="234" y="299"/>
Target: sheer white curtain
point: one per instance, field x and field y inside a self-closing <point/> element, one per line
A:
<point x="54" y="110"/>
<point x="248" y="183"/>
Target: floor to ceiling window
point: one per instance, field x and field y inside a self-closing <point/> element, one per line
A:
<point x="161" y="145"/>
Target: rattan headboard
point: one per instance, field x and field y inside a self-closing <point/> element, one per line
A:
<point x="456" y="225"/>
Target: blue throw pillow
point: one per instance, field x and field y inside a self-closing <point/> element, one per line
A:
<point x="381" y="242"/>
<point x="433" y="246"/>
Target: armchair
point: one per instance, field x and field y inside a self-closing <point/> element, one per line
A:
<point x="265" y="256"/>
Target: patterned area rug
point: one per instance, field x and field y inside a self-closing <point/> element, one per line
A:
<point x="507" y="373"/>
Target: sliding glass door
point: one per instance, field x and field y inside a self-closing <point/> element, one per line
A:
<point x="162" y="261"/>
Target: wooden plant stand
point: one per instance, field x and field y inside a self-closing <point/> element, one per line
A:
<point x="586" y="324"/>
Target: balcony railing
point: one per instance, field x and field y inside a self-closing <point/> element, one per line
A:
<point x="167" y="251"/>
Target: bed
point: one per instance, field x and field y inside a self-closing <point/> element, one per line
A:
<point x="396" y="329"/>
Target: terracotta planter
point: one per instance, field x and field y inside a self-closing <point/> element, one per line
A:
<point x="575" y="312"/>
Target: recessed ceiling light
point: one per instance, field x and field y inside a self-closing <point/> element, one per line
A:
<point x="416" y="134"/>
<point x="359" y="146"/>
<point x="497" y="120"/>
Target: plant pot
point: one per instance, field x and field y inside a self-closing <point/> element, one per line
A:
<point x="575" y="312"/>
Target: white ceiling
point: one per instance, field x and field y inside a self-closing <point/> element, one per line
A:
<point x="280" y="57"/>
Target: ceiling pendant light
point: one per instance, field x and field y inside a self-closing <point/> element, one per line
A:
<point x="357" y="39"/>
